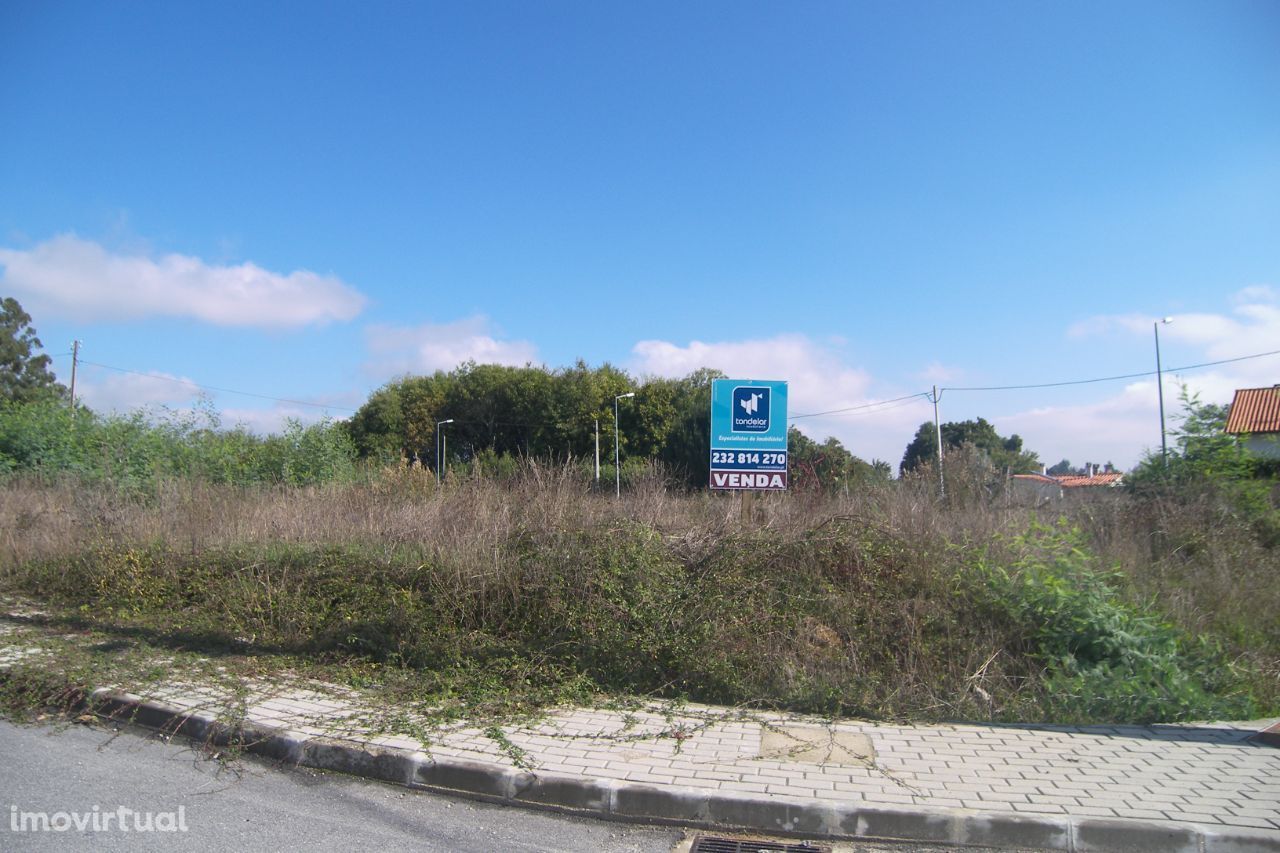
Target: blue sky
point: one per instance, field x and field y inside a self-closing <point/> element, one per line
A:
<point x="304" y="200"/>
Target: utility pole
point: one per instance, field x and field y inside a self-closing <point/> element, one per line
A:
<point x="1164" y="442"/>
<point x="75" y="357"/>
<point x="937" y="425"/>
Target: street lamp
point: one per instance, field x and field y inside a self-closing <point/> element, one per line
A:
<point x="440" y="445"/>
<point x="1164" y="444"/>
<point x="617" y="453"/>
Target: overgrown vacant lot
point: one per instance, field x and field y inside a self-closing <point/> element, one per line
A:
<point x="535" y="589"/>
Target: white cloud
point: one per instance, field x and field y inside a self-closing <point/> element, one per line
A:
<point x="1116" y="429"/>
<point x="161" y="396"/>
<point x="71" y="277"/>
<point x="936" y="371"/>
<point x="267" y="421"/>
<point x="818" y="380"/>
<point x="1120" y="426"/>
<point x="431" y="347"/>
<point x="125" y="392"/>
<point x="1253" y="326"/>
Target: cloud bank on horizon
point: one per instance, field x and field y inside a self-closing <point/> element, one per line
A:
<point x="397" y="350"/>
<point x="67" y="276"/>
<point x="71" y="277"/>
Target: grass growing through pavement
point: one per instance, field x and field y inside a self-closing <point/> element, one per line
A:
<point x="490" y="598"/>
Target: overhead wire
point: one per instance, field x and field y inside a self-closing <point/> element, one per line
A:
<point x="188" y="382"/>
<point x="864" y="408"/>
<point x="1114" y="378"/>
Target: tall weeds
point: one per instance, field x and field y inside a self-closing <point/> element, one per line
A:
<point x="883" y="602"/>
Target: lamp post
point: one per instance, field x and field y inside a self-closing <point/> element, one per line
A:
<point x="1164" y="444"/>
<point x="440" y="445"/>
<point x="617" y="453"/>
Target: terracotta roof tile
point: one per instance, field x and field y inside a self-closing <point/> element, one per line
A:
<point x="1075" y="481"/>
<point x="1103" y="479"/>
<point x="1255" y="410"/>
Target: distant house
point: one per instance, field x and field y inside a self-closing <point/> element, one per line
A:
<point x="1042" y="488"/>
<point x="1255" y="415"/>
<point x="1095" y="480"/>
<point x="1037" y="488"/>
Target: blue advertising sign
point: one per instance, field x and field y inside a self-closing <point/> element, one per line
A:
<point x="748" y="434"/>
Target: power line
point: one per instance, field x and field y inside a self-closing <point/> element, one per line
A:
<point x="880" y="405"/>
<point x="1115" y="378"/>
<point x="188" y="382"/>
<point x="861" y="407"/>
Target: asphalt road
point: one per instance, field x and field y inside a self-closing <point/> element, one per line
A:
<point x="252" y="805"/>
<point x="64" y="773"/>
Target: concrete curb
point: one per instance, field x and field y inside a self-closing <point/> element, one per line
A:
<point x="685" y="806"/>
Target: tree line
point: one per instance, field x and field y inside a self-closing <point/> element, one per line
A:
<point x="497" y="411"/>
<point x="540" y="413"/>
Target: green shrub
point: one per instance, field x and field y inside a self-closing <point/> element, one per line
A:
<point x="137" y="451"/>
<point x="1103" y="658"/>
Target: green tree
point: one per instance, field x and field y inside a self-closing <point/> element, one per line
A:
<point x="1001" y="453"/>
<point x="922" y="449"/>
<point x="1205" y="460"/>
<point x="24" y="375"/>
<point x="687" y="452"/>
<point x="1202" y="449"/>
<point x="829" y="466"/>
<point x="1063" y="467"/>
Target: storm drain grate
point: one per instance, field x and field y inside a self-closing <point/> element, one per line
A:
<point x="708" y="844"/>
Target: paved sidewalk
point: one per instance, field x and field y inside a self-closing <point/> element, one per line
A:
<point x="1193" y="780"/>
<point x="1165" y="787"/>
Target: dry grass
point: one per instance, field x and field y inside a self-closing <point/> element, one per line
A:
<point x="402" y="510"/>
<point x="830" y="602"/>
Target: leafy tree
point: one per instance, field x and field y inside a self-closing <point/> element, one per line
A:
<point x="1062" y="468"/>
<point x="1206" y="460"/>
<point x="687" y="451"/>
<point x="922" y="449"/>
<point x="499" y="412"/>
<point x="829" y="466"/>
<point x="1000" y="452"/>
<point x="24" y="376"/>
<point x="1202" y="449"/>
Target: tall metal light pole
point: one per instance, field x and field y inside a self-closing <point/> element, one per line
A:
<point x="617" y="453"/>
<point x="440" y="447"/>
<point x="937" y="426"/>
<point x="1164" y="444"/>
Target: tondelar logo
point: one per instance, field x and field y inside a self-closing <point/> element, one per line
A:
<point x="751" y="408"/>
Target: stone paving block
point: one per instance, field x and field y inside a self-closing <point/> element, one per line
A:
<point x="1140" y="814"/>
<point x="1092" y="811"/>
<point x="1272" y="813"/>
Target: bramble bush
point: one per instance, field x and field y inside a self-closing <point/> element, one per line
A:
<point x="1104" y="658"/>
<point x="137" y="451"/>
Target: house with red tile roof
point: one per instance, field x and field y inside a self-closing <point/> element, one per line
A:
<point x="1045" y="487"/>
<point x="1097" y="479"/>
<point x="1255" y="416"/>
